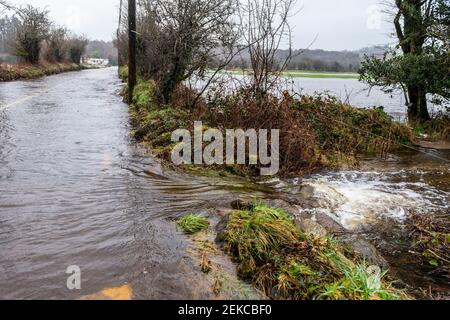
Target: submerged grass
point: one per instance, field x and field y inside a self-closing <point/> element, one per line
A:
<point x="192" y="223"/>
<point x="434" y="130"/>
<point x="431" y="236"/>
<point x="284" y="263"/>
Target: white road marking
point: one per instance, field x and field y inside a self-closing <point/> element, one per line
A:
<point x="25" y="99"/>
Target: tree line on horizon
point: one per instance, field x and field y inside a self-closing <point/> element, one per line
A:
<point x="318" y="59"/>
<point x="28" y="35"/>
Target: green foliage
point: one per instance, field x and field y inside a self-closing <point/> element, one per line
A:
<point x="437" y="129"/>
<point x="143" y="94"/>
<point x="32" y="28"/>
<point x="422" y="28"/>
<point x="284" y="263"/>
<point x="252" y="235"/>
<point x="123" y="73"/>
<point x="428" y="70"/>
<point x="349" y="131"/>
<point x="329" y="134"/>
<point x="192" y="223"/>
<point x="155" y="123"/>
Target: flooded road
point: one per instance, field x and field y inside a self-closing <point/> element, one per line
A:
<point x="75" y="190"/>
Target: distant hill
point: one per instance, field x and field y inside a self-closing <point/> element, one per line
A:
<point x="319" y="60"/>
<point x="377" y="51"/>
<point x="308" y="60"/>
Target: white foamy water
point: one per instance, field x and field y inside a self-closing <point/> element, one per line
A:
<point x="359" y="198"/>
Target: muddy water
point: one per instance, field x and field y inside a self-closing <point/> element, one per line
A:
<point x="76" y="190"/>
<point x="377" y="200"/>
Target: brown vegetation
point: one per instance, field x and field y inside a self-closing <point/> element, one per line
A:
<point x="431" y="235"/>
<point x="316" y="131"/>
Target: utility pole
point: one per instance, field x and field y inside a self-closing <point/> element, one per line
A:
<point x="131" y="48"/>
<point x="119" y="55"/>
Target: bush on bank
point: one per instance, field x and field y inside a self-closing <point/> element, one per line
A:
<point x="316" y="132"/>
<point x="192" y="223"/>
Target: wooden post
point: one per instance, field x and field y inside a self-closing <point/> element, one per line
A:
<point x="131" y="48"/>
<point x="119" y="54"/>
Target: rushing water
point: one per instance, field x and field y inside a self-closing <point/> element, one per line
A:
<point x="76" y="190"/>
<point x="376" y="201"/>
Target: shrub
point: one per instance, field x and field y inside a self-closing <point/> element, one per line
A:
<point x="192" y="223"/>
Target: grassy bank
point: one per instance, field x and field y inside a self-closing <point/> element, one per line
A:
<point x="19" y="72"/>
<point x="283" y="262"/>
<point x="316" y="132"/>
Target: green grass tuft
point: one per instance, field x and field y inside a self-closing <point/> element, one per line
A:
<point x="284" y="263"/>
<point x="192" y="223"/>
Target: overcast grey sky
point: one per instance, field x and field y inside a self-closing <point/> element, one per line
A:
<point x="338" y="24"/>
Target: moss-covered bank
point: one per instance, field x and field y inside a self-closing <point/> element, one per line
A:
<point x="19" y="72"/>
<point x="316" y="132"/>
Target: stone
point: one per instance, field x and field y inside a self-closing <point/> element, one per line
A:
<point x="318" y="195"/>
<point x="312" y="228"/>
<point x="331" y="225"/>
<point x="221" y="228"/>
<point x="365" y="249"/>
<point x="284" y="205"/>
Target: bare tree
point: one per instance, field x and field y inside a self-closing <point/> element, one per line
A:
<point x="179" y="38"/>
<point x="121" y="39"/>
<point x="266" y="30"/>
<point x="5" y="6"/>
<point x="57" y="45"/>
<point x="8" y="26"/>
<point x="76" y="47"/>
<point x="32" y="29"/>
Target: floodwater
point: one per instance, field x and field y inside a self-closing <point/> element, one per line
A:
<point x="75" y="190"/>
<point x="358" y="94"/>
<point x="376" y="201"/>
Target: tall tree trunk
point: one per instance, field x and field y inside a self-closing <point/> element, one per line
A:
<point x="417" y="109"/>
